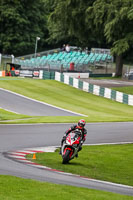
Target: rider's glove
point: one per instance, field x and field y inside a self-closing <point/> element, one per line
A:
<point x="64" y="137"/>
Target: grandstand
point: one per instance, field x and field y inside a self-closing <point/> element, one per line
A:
<point x="60" y="60"/>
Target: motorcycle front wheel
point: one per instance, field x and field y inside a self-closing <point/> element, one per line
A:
<point x="66" y="157"/>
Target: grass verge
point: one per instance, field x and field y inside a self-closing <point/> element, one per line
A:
<point x="97" y="109"/>
<point x="126" y="90"/>
<point x="107" y="162"/>
<point x="14" y="188"/>
<point x="6" y="115"/>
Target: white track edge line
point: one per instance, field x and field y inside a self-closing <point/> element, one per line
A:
<point x="9" y="110"/>
<point x="36" y="124"/>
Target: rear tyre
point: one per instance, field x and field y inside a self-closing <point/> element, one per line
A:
<point x="66" y="157"/>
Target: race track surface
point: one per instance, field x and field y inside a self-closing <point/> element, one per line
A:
<point x="23" y="105"/>
<point x="108" y="83"/>
<point x="17" y="137"/>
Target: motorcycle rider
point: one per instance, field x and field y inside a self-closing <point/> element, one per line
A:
<point x="80" y="126"/>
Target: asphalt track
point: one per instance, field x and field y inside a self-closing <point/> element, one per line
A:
<point x="108" y="83"/>
<point x="23" y="105"/>
<point x="17" y="137"/>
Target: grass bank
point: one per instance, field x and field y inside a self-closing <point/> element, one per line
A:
<point x="107" y="162"/>
<point x="6" y="115"/>
<point x="126" y="90"/>
<point x="97" y="109"/>
<point x="14" y="188"/>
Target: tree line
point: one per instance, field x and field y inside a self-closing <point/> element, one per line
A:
<point x="84" y="23"/>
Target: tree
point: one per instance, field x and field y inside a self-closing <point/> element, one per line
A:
<point x="21" y="22"/>
<point x="115" y="17"/>
<point x="67" y="22"/>
<point x="108" y="22"/>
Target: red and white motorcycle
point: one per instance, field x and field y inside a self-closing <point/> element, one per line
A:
<point x="70" y="147"/>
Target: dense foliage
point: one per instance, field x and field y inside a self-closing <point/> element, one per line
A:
<point x="96" y="22"/>
<point x="21" y="21"/>
<point x="115" y="17"/>
<point x="93" y="23"/>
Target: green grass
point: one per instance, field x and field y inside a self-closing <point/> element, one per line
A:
<point x="6" y="115"/>
<point x="112" y="163"/>
<point x="126" y="90"/>
<point x="97" y="162"/>
<point x="98" y="109"/>
<point x="13" y="188"/>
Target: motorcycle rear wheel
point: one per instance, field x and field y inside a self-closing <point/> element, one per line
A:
<point x="66" y="157"/>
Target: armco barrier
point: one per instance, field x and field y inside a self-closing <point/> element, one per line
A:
<point x="95" y="89"/>
<point x="32" y="74"/>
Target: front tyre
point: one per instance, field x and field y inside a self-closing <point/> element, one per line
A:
<point x="66" y="157"/>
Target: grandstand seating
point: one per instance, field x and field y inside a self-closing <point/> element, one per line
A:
<point x="56" y="60"/>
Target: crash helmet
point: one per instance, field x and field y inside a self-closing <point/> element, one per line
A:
<point x="81" y="123"/>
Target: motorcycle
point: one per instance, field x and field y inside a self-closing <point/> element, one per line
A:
<point x="71" y="146"/>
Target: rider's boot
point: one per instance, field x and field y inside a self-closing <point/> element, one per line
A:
<point x="76" y="155"/>
<point x="60" y="151"/>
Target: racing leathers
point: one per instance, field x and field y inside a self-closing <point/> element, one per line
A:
<point x="72" y="128"/>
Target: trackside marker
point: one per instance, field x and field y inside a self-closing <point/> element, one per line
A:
<point x="34" y="156"/>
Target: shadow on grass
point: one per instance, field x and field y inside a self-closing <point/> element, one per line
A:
<point x="71" y="163"/>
